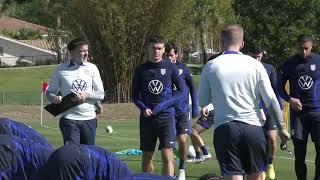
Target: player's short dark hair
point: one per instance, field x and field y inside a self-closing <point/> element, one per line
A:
<point x="76" y="43"/>
<point x="156" y="39"/>
<point x="303" y="38"/>
<point x="169" y="46"/>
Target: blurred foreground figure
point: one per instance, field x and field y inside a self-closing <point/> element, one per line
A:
<point x="21" y="159"/>
<point x="76" y="161"/>
<point x="11" y="127"/>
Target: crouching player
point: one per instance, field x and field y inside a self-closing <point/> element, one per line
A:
<point x="21" y="159"/>
<point x="79" y="161"/>
<point x="11" y="127"/>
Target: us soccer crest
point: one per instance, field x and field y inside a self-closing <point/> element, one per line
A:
<point x="180" y="71"/>
<point x="313" y="67"/>
<point x="163" y="71"/>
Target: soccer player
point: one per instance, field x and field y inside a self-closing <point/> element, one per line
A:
<point x="270" y="127"/>
<point x="11" y="127"/>
<point x="234" y="83"/>
<point x="303" y="73"/>
<point x="79" y="161"/>
<point x="204" y="122"/>
<point x="183" y="126"/>
<point x="152" y="85"/>
<point x="78" y="124"/>
<point x="21" y="158"/>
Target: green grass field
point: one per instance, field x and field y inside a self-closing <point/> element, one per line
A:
<point x="23" y="85"/>
<point x="122" y="117"/>
<point x="124" y="120"/>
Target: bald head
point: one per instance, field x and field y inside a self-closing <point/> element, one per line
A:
<point x="232" y="36"/>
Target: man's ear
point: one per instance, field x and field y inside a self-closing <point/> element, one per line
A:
<point x="242" y="45"/>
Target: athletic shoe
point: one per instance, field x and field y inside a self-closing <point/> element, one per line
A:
<point x="271" y="175"/>
<point x="206" y="157"/>
<point x="195" y="160"/>
<point x="182" y="175"/>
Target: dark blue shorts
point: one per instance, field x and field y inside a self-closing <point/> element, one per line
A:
<point x="206" y="122"/>
<point x="240" y="148"/>
<point x="78" y="131"/>
<point x="183" y="125"/>
<point x="161" y="126"/>
<point x="270" y="124"/>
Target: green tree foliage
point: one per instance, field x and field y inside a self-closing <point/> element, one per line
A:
<point x="22" y="34"/>
<point x="118" y="32"/>
<point x="35" y="11"/>
<point x="274" y="25"/>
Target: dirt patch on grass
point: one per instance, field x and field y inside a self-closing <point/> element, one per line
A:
<point x="111" y="112"/>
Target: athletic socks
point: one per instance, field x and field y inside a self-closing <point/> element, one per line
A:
<point x="181" y="164"/>
<point x="198" y="154"/>
<point x="270" y="160"/>
<point x="204" y="150"/>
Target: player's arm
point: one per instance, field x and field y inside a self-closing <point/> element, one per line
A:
<point x="204" y="88"/>
<point x="193" y="92"/>
<point x="270" y="100"/>
<point x="180" y="92"/>
<point x="54" y="87"/>
<point x="97" y="86"/>
<point x="135" y="91"/>
<point x="283" y="78"/>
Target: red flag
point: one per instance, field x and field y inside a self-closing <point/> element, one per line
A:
<point x="44" y="86"/>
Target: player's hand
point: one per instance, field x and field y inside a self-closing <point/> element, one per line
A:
<point x="57" y="99"/>
<point x="147" y="113"/>
<point x="295" y="104"/>
<point x="284" y="136"/>
<point x="81" y="97"/>
<point x="205" y="111"/>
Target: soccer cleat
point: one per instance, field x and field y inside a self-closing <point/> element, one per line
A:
<point x="195" y="160"/>
<point x="270" y="175"/>
<point x="206" y="157"/>
<point x="182" y="175"/>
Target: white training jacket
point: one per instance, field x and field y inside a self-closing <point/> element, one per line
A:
<point x="235" y="83"/>
<point x="70" y="77"/>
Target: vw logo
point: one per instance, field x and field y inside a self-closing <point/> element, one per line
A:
<point x="305" y="82"/>
<point x="79" y="85"/>
<point x="155" y="86"/>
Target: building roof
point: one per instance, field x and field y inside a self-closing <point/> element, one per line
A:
<point x="28" y="45"/>
<point x="13" y="25"/>
<point x="43" y="44"/>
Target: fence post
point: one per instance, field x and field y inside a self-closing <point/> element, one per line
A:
<point x="2" y="99"/>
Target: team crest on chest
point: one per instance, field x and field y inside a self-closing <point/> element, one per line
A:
<point x="163" y="71"/>
<point x="180" y="71"/>
<point x="313" y="67"/>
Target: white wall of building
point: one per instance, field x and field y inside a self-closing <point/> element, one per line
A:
<point x="16" y="51"/>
